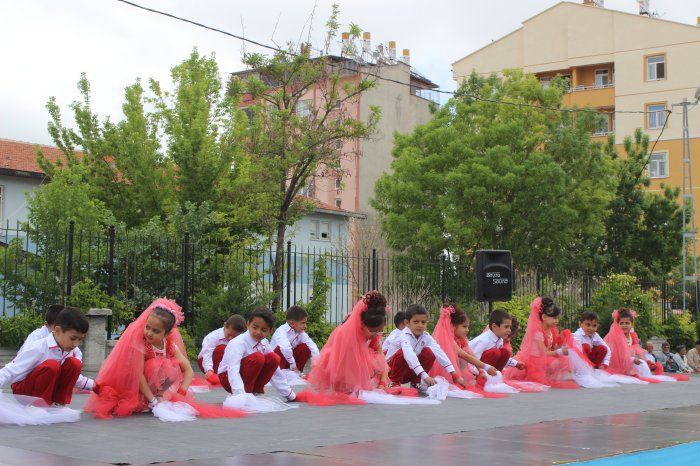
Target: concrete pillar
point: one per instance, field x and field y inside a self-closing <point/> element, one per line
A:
<point x="95" y="340"/>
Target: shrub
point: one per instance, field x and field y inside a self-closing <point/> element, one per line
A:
<point x="14" y="330"/>
<point x="86" y="294"/>
<point x="679" y="330"/>
<point x="192" y="350"/>
<point x="518" y="307"/>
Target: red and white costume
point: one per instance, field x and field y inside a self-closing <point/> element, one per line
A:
<point x="595" y="348"/>
<point x="294" y="348"/>
<point x="390" y="339"/>
<point x="489" y="348"/>
<point x="213" y="347"/>
<point x="411" y="357"/>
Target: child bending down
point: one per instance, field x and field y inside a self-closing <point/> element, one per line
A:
<point x="291" y="342"/>
<point x="249" y="362"/>
<point x="148" y="364"/>
<point x="593" y="346"/>
<point x="399" y="325"/>
<point x="489" y="346"/>
<point x="214" y="345"/>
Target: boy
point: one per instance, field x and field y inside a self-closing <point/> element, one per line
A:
<point x="413" y="353"/>
<point x="291" y="342"/>
<point x="400" y="324"/>
<point x="214" y="345"/>
<point x="48" y="368"/>
<point x="488" y="346"/>
<point x="45" y="330"/>
<point x="249" y="362"/>
<point x="597" y="351"/>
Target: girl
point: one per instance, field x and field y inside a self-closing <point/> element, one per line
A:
<point x="542" y="349"/>
<point x="352" y="359"/>
<point x="148" y="365"/>
<point x="626" y="356"/>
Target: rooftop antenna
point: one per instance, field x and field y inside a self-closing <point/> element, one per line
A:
<point x="644" y="7"/>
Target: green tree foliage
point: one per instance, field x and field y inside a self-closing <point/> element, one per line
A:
<point x="300" y="112"/>
<point x="484" y="175"/>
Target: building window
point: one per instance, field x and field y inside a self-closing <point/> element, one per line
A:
<point x="658" y="165"/>
<point x="602" y="78"/>
<point x="338" y="203"/>
<point x="546" y="82"/>
<point x="655" y="67"/>
<point x="656" y="116"/>
<point x="313" y="234"/>
<point x="324" y="231"/>
<point x="604" y="127"/>
<point x="304" y="107"/>
<point x="338" y="183"/>
<point x="2" y="199"/>
<point x="308" y="189"/>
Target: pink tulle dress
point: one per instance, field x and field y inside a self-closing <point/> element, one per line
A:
<point x="553" y="371"/>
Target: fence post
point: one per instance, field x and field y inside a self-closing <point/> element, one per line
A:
<point x="375" y="272"/>
<point x="442" y="277"/>
<point x="538" y="282"/>
<point x="185" y="275"/>
<point x="110" y="277"/>
<point x="289" y="274"/>
<point x="69" y="270"/>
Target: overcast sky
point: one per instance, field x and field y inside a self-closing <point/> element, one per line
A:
<point x="46" y="44"/>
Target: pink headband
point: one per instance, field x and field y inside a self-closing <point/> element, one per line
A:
<point x="170" y="306"/>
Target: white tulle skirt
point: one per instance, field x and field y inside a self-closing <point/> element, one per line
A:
<point x="30" y="411"/>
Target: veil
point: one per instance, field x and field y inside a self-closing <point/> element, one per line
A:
<point x="444" y="335"/>
<point x="620" y="352"/>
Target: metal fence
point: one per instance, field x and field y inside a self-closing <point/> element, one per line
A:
<point x="39" y="268"/>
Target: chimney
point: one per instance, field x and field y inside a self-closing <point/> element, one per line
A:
<point x="366" y="42"/>
<point x="407" y="56"/>
<point x="698" y="23"/>
<point x="392" y="48"/>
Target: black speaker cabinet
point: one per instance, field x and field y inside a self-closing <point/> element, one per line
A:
<point x="494" y="275"/>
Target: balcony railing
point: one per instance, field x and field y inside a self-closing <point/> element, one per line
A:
<point x="581" y="87"/>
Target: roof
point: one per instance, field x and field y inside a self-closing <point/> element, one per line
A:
<point x="323" y="208"/>
<point x="18" y="158"/>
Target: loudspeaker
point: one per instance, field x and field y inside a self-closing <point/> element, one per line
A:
<point x="494" y="275"/>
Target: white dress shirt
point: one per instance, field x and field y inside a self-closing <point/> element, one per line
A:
<point x="38" y="334"/>
<point x="33" y="355"/>
<point x="287" y="339"/>
<point x="209" y="344"/>
<point x="392" y="336"/>
<point x="412" y="346"/>
<point x="240" y="347"/>
<point x="486" y="341"/>
<point x="581" y="337"/>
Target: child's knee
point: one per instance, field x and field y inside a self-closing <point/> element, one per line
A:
<point x="271" y="359"/>
<point x="73" y="363"/>
<point x="50" y="366"/>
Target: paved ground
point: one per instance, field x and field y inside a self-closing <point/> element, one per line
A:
<point x="539" y="428"/>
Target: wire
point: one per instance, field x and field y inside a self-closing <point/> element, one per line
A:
<point x="663" y="128"/>
<point x="383" y="78"/>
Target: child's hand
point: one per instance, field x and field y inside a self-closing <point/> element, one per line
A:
<point x="604" y="367"/>
<point x="459" y="380"/>
<point x="637" y="361"/>
<point x="429" y="381"/>
<point x="212" y="377"/>
<point x="565" y="351"/>
<point x="492" y="371"/>
<point x="96" y="388"/>
<point x="520" y="365"/>
<point x="652" y="366"/>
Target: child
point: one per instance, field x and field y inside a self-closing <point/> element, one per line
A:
<point x="542" y="349"/>
<point x="249" y="362"/>
<point x="45" y="330"/>
<point x="214" y="344"/>
<point x="488" y="346"/>
<point x="593" y="346"/>
<point x="412" y="355"/>
<point x="148" y="365"/>
<point x="352" y="360"/>
<point x="291" y="342"/>
<point x="399" y="324"/>
<point x="514" y="329"/>
<point x="48" y="368"/>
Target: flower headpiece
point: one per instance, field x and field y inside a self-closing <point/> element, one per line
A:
<point x="170" y="306"/>
<point x="616" y="314"/>
<point x="447" y="309"/>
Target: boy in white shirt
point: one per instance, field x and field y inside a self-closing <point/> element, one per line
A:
<point x="488" y="346"/>
<point x="291" y="342"/>
<point x="412" y="355"/>
<point x="597" y="351"/>
<point x="45" y="330"/>
<point x="214" y="345"/>
<point x="48" y="368"/>
<point x="249" y="362"/>
<point x="399" y="324"/>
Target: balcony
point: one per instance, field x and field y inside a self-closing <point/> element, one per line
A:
<point x="595" y="96"/>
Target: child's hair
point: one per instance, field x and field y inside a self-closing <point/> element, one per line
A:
<point x="514" y="325"/>
<point x="679" y="348"/>
<point x="167" y="317"/>
<point x="375" y="315"/>
<point x="296" y="313"/>
<point x="52" y="312"/>
<point x="72" y="318"/>
<point x="415" y="310"/>
<point x="549" y="309"/>
<point x="265" y="314"/>
<point x="625" y="312"/>
<point x="498" y="316"/>
<point x="399" y="318"/>
<point x="458" y="317"/>
<point x="236" y="322"/>
<point x="589" y="315"/>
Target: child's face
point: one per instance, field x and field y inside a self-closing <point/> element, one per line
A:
<point x="402" y="325"/>
<point x="589" y="327"/>
<point x="230" y="333"/>
<point x="549" y="321"/>
<point x="502" y="330"/>
<point x="49" y="326"/>
<point x="154" y="331"/>
<point x="67" y="339"/>
<point x="513" y="333"/>
<point x="462" y="330"/>
<point x="298" y="325"/>
<point x="371" y="332"/>
<point x="625" y="325"/>
<point x="418" y="324"/>
<point x="258" y="328"/>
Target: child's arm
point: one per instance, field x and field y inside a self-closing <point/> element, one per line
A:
<point x="305" y="338"/>
<point x="473" y="360"/>
<point x="279" y="382"/>
<point x="412" y="360"/>
<point x="280" y="339"/>
<point x="207" y="352"/>
<point x="21" y="366"/>
<point x="187" y="372"/>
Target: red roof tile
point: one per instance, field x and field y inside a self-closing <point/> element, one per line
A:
<point x="18" y="155"/>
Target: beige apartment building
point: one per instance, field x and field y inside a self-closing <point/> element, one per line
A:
<point x="616" y="62"/>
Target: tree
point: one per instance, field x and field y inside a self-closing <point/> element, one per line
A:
<point x="501" y="176"/>
<point x="288" y="139"/>
<point x="644" y="229"/>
